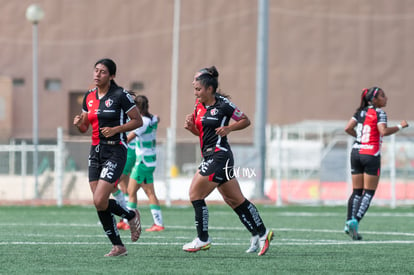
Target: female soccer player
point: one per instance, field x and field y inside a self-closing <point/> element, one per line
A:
<point x="142" y="174"/>
<point x="368" y="126"/>
<point x="106" y="108"/>
<point x="210" y="122"/>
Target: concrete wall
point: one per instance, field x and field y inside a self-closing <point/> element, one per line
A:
<point x="6" y="97"/>
<point x="321" y="54"/>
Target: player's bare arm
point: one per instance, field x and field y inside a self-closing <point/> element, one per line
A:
<point x="81" y="122"/>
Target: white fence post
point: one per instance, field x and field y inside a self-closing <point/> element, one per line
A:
<point x="279" y="166"/>
<point x="349" y="187"/>
<point x="169" y="161"/>
<point x="59" y="164"/>
<point x="24" y="169"/>
<point x="12" y="157"/>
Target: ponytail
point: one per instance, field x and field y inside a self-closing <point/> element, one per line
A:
<point x="367" y="96"/>
<point x="209" y="77"/>
<point x="142" y="103"/>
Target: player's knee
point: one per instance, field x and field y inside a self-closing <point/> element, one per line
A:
<point x="100" y="204"/>
<point x="149" y="193"/>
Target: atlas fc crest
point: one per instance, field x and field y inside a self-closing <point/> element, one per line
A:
<point x="108" y="103"/>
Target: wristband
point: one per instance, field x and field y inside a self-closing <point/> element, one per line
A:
<point x="399" y="127"/>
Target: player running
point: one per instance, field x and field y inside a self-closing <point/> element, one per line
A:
<point x="210" y="122"/>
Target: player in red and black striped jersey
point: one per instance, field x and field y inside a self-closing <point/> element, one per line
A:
<point x="210" y="122"/>
<point x="368" y="125"/>
<point x="209" y="118"/>
<point x="110" y="110"/>
<point x="106" y="108"/>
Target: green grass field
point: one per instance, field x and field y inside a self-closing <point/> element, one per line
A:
<point x="308" y="240"/>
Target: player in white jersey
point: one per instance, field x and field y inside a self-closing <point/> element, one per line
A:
<point x="142" y="174"/>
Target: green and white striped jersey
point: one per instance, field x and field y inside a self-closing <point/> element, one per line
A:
<point x="146" y="141"/>
<point x="132" y="144"/>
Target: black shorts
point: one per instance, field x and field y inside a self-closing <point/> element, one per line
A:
<point x="106" y="162"/>
<point x="367" y="164"/>
<point x="218" y="167"/>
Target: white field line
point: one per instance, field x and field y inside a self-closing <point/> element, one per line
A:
<point x="332" y="214"/>
<point x="245" y="244"/>
<point x="281" y="242"/>
<point x="409" y="234"/>
<point x="322" y="214"/>
<point x="148" y="238"/>
<point x="217" y="213"/>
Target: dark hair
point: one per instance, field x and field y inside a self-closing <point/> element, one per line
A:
<point x="110" y="64"/>
<point x="209" y="77"/>
<point x="142" y="103"/>
<point x="367" y="96"/>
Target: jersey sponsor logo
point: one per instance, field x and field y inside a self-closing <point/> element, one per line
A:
<point x="111" y="165"/>
<point x="237" y="113"/>
<point x="108" y="103"/>
<point x="90" y="103"/>
<point x="105" y="173"/>
<point x="363" y="146"/>
<point x="214" y="112"/>
<point x="108" y="170"/>
<point x="205" y="165"/>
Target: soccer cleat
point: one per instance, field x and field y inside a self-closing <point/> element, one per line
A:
<point x="135" y="226"/>
<point x="254" y="244"/>
<point x="155" y="228"/>
<point x="352" y="226"/>
<point x="197" y="245"/>
<point x="264" y="242"/>
<point x="117" y="250"/>
<point x="122" y="225"/>
<point x="346" y="230"/>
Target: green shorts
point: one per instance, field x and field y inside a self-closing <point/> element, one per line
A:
<point x="131" y="158"/>
<point x="143" y="174"/>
